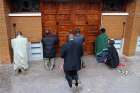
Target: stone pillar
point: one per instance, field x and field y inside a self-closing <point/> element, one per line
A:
<point x="131" y="31"/>
<point x="4" y="35"/>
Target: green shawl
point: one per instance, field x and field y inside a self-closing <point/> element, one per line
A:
<point x="101" y="43"/>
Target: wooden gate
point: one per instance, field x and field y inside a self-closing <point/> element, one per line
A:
<point x="64" y="17"/>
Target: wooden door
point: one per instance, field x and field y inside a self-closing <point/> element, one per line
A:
<point x="64" y="17"/>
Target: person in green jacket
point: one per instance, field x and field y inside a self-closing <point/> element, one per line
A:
<point x="101" y="46"/>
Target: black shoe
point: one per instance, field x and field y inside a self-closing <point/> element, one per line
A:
<point x="16" y="72"/>
<point x="83" y="66"/>
<point x="76" y="83"/>
<point x="19" y="70"/>
<point x="70" y="84"/>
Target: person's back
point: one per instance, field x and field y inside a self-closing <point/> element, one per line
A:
<point x="113" y="57"/>
<point x="79" y="39"/>
<point x="49" y="51"/>
<point x="72" y="53"/>
<point x="101" y="43"/>
<point x="49" y="43"/>
<point x="20" y="50"/>
<point x="101" y="46"/>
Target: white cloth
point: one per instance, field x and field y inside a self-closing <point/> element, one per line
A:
<point x="20" y="50"/>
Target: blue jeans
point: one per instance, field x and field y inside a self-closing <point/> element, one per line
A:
<point x="101" y="57"/>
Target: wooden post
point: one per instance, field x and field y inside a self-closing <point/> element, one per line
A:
<point x="4" y="37"/>
<point x="131" y="32"/>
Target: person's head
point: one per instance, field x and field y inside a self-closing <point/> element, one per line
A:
<point x="102" y="30"/>
<point x="47" y="32"/>
<point x="54" y="33"/>
<point x="70" y="36"/>
<point x="18" y="33"/>
<point x="111" y="42"/>
<point x="78" y="31"/>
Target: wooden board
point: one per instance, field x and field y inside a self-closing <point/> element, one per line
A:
<point x="64" y="17"/>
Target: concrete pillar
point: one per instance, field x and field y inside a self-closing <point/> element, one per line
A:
<point x="131" y="31"/>
<point x="4" y="35"/>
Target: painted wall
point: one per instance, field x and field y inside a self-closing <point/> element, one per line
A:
<point x="114" y="25"/>
<point x="30" y="27"/>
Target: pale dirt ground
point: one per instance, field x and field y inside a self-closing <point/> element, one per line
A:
<point x="95" y="78"/>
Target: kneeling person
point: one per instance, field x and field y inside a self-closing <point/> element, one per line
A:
<point x="113" y="57"/>
<point x="101" y="46"/>
<point x="20" y="51"/>
<point x="49" y="52"/>
<point x="80" y="39"/>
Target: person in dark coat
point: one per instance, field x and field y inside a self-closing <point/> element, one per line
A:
<point x="113" y="57"/>
<point x="72" y="53"/>
<point x="80" y="39"/>
<point x="49" y="51"/>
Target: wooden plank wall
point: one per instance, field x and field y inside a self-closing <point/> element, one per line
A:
<point x="61" y="18"/>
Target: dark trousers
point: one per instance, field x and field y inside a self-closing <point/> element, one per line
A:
<point x="71" y="75"/>
<point x="101" y="57"/>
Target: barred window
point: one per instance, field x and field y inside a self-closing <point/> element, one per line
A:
<point x="24" y="5"/>
<point x="114" y="5"/>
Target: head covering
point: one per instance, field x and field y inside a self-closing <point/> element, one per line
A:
<point x="71" y="36"/>
<point x="102" y="30"/>
<point x="18" y="33"/>
<point x="111" y="42"/>
<point x="78" y="31"/>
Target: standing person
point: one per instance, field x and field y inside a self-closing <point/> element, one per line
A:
<point x="80" y="39"/>
<point x="49" y="52"/>
<point x="20" y="50"/>
<point x="72" y="53"/>
<point x="101" y="46"/>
